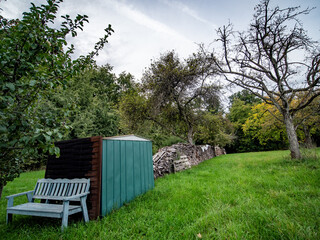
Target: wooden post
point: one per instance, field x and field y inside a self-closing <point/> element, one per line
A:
<point x="65" y="215"/>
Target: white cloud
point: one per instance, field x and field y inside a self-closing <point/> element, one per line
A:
<point x="146" y="21"/>
<point x="138" y="38"/>
<point x="187" y="10"/>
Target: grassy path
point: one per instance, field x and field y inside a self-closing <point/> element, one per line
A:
<point x="237" y="196"/>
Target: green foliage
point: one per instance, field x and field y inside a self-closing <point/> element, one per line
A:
<point x="34" y="60"/>
<point x="239" y="111"/>
<point x="235" y="196"/>
<point x="255" y="129"/>
<point x="174" y="95"/>
<point x="94" y="93"/>
<point x="246" y="96"/>
<point x="258" y="126"/>
<point x="160" y="140"/>
<point x="214" y="129"/>
<point x="92" y="99"/>
<point x="263" y="125"/>
<point x="133" y="111"/>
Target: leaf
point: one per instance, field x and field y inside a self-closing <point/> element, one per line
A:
<point x="47" y="137"/>
<point x="32" y="83"/>
<point x="57" y="152"/>
<point x="10" y="86"/>
<point x="3" y="129"/>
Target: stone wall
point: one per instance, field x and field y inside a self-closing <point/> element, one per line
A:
<point x="182" y="156"/>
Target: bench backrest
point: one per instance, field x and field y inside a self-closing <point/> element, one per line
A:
<point x="56" y="189"/>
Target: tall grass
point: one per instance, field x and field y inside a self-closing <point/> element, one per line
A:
<point x="238" y="196"/>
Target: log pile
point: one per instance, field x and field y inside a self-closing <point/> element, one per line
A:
<point x="219" y="151"/>
<point x="182" y="156"/>
<point x="163" y="161"/>
<point x="181" y="164"/>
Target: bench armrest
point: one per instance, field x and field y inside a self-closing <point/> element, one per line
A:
<point x="11" y="197"/>
<point x="19" y="194"/>
<point x="75" y="196"/>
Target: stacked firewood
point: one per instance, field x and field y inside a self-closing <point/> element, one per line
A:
<point x="163" y="161"/>
<point x="181" y="156"/>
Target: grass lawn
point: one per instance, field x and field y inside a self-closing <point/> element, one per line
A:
<point x="259" y="195"/>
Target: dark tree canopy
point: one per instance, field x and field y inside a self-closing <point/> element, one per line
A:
<point x="177" y="90"/>
<point x="264" y="60"/>
<point x="176" y="98"/>
<point x="246" y="96"/>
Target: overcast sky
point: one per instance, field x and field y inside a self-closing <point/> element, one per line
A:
<point x="146" y="28"/>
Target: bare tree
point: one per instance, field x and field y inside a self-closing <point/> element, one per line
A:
<point x="266" y="60"/>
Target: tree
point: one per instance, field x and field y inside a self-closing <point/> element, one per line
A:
<point x="177" y="92"/>
<point x="91" y="99"/>
<point x="97" y="93"/>
<point x="34" y="60"/>
<point x="264" y="62"/>
<point x="213" y="129"/>
<point x="308" y="122"/>
<point x="263" y="124"/>
<point x="245" y="96"/>
<point x="240" y="109"/>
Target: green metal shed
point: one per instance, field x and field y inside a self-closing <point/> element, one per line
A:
<point x="127" y="170"/>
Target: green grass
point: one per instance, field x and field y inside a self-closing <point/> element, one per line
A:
<point x="238" y="196"/>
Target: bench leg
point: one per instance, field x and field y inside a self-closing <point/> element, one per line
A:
<point x="84" y="209"/>
<point x="9" y="204"/>
<point x="9" y="218"/>
<point x="65" y="215"/>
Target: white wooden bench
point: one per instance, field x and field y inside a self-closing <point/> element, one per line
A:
<point x="64" y="190"/>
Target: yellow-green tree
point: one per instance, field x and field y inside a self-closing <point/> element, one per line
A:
<point x="264" y="123"/>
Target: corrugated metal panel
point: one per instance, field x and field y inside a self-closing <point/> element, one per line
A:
<point x="127" y="172"/>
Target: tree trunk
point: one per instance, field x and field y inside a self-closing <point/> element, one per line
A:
<point x="308" y="140"/>
<point x="190" y="135"/>
<point x="292" y="136"/>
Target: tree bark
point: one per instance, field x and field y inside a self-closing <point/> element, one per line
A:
<point x="292" y="136"/>
<point x="308" y="140"/>
<point x="190" y="135"/>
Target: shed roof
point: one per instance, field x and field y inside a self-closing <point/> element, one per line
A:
<point x="127" y="138"/>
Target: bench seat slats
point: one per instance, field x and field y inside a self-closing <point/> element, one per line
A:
<point x="35" y="208"/>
